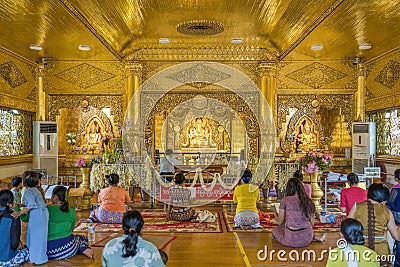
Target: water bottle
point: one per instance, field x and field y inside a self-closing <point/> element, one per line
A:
<point x="90" y="234"/>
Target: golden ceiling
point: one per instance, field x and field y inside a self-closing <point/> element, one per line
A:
<point x="116" y="29"/>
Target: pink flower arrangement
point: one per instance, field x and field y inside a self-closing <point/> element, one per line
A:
<point x="315" y="161"/>
<point x="81" y="163"/>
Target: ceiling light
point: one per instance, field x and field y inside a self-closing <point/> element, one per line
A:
<point x="84" y="47"/>
<point x="35" y="47"/>
<point x="317" y="47"/>
<point x="236" y="40"/>
<point x="365" y="46"/>
<point x="164" y="41"/>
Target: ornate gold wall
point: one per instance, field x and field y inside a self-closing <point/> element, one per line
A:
<point x="17" y="82"/>
<point x="383" y="82"/>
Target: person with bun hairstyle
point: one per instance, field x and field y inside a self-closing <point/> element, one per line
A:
<point x="112" y="200"/>
<point x="351" y="195"/>
<point x="179" y="200"/>
<point x="246" y="196"/>
<point x="376" y="218"/>
<point x="62" y="244"/>
<point x="131" y="249"/>
<point x="12" y="251"/>
<point x="352" y="253"/>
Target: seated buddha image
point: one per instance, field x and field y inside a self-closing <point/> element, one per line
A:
<point x="199" y="134"/>
<point x="93" y="134"/>
<point x="307" y="139"/>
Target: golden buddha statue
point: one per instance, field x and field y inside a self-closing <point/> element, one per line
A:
<point x="306" y="137"/>
<point x="93" y="134"/>
<point x="199" y="134"/>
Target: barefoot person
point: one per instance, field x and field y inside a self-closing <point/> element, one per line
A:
<point x="61" y="243"/>
<point x="296" y="217"/>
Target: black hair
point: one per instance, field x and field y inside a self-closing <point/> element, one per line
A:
<point x="294" y="186"/>
<point x="132" y="224"/>
<point x="352" y="231"/>
<point x="298" y="174"/>
<point x="16" y="181"/>
<point x="179" y="178"/>
<point x="61" y="193"/>
<point x="6" y="198"/>
<point x="352" y="178"/>
<point x="113" y="178"/>
<point x="31" y="178"/>
<point x="378" y="192"/>
<point x="397" y="174"/>
<point x="247" y="173"/>
<point x="164" y="256"/>
<point x="168" y="152"/>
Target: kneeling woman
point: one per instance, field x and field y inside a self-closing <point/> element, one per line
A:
<point x="131" y="249"/>
<point x="179" y="200"/>
<point x="61" y="243"/>
<point x="296" y="217"/>
<point x="112" y="202"/>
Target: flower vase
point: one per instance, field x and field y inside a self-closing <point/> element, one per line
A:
<point x="316" y="193"/>
<point x="86" y="185"/>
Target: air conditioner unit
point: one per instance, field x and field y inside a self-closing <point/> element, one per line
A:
<point x="363" y="145"/>
<point x="45" y="146"/>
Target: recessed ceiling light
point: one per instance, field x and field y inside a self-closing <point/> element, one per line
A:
<point x="365" y="46"/>
<point x="84" y="47"/>
<point x="236" y="40"/>
<point x="164" y="41"/>
<point x="35" y="47"/>
<point x="317" y="47"/>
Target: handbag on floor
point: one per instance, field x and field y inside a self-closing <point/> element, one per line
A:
<point x="205" y="216"/>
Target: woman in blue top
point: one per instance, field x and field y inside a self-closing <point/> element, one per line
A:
<point x="10" y="232"/>
<point x="130" y="249"/>
<point x="36" y="237"/>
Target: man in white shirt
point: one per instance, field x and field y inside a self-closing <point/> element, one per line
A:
<point x="167" y="163"/>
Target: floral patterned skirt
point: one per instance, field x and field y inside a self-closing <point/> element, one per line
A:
<point x="105" y="216"/>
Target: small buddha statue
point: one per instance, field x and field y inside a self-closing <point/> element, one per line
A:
<point x="306" y="137"/>
<point x="93" y="135"/>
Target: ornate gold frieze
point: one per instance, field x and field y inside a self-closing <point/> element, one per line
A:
<point x="11" y="74"/>
<point x="267" y="69"/>
<point x="17" y="102"/>
<point x="200" y="73"/>
<point x="382" y="102"/>
<point x="228" y="53"/>
<point x="56" y="102"/>
<point x="84" y="75"/>
<point x="316" y="75"/>
<point x="390" y="74"/>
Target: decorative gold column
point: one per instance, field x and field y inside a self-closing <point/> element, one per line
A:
<point x="41" y="96"/>
<point x="133" y="81"/>
<point x="360" y="94"/>
<point x="316" y="192"/>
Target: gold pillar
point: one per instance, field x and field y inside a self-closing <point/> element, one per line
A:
<point x="360" y="94"/>
<point x="267" y="72"/>
<point x="40" y="96"/>
<point x="133" y="81"/>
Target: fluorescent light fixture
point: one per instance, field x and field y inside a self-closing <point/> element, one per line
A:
<point x="236" y="40"/>
<point x="84" y="47"/>
<point x="317" y="47"/>
<point x="365" y="46"/>
<point x="164" y="41"/>
<point x="35" y="47"/>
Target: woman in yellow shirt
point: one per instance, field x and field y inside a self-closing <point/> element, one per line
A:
<point x="246" y="196"/>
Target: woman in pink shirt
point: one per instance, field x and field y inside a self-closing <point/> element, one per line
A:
<point x="112" y="200"/>
<point x="351" y="195"/>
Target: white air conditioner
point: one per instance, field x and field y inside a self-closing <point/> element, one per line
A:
<point x="45" y="146"/>
<point x="363" y="145"/>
